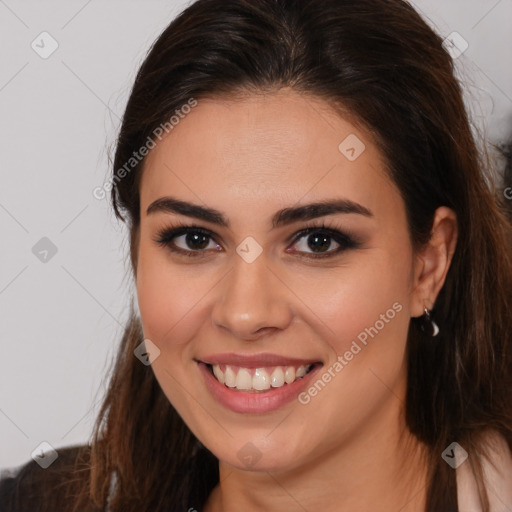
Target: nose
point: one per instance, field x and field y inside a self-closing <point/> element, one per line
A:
<point x="253" y="301"/>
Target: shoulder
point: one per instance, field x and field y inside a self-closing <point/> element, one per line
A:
<point x="30" y="488"/>
<point x="497" y="471"/>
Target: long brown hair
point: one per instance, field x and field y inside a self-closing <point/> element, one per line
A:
<point x="378" y="61"/>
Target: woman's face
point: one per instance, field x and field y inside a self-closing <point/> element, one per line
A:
<point x="253" y="298"/>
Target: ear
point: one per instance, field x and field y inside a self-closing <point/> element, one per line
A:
<point x="432" y="262"/>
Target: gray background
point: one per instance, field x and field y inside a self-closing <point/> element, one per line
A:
<point x="62" y="319"/>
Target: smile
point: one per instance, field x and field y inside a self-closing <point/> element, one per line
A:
<point x="258" y="383"/>
<point x="257" y="379"/>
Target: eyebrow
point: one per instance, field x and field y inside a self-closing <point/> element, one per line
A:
<point x="281" y="218"/>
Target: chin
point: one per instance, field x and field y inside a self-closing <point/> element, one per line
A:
<point x="253" y="454"/>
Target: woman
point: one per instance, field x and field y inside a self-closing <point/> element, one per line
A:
<point x="323" y="277"/>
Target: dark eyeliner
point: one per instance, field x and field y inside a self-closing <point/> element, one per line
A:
<point x="346" y="241"/>
<point x="166" y="236"/>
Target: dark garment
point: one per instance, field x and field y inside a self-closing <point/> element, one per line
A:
<point x="23" y="490"/>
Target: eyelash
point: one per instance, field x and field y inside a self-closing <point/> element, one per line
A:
<point x="346" y="240"/>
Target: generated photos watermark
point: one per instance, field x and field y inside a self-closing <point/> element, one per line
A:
<point x="343" y="360"/>
<point x="137" y="156"/>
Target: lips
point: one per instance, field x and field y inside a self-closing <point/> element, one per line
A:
<point x="256" y="383"/>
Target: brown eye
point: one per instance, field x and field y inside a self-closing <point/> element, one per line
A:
<point x="320" y="239"/>
<point x="195" y="240"/>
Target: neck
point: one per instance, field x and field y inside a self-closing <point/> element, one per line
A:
<point x="376" y="469"/>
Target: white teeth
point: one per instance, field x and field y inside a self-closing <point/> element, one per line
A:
<point x="229" y="377"/>
<point x="289" y="375"/>
<point x="243" y="379"/>
<point x="277" y="377"/>
<point x="218" y="373"/>
<point x="259" y="379"/>
<point x="301" y="371"/>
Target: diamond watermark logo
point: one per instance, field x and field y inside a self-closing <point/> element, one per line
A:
<point x="249" y="455"/>
<point x="249" y="249"/>
<point x="351" y="147"/>
<point x="455" y="45"/>
<point x="454" y="455"/>
<point x="146" y="352"/>
<point x="44" y="45"/>
<point x="44" y="250"/>
<point x="45" y="454"/>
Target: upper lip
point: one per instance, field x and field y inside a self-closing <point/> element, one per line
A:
<point x="256" y="361"/>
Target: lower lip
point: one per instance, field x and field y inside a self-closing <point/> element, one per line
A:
<point x="259" y="402"/>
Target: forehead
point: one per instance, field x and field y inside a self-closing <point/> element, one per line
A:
<point x="262" y="150"/>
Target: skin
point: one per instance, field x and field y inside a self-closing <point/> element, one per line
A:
<point x="348" y="448"/>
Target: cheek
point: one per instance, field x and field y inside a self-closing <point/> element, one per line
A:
<point x="169" y="300"/>
<point x="365" y="320"/>
<point x="367" y="313"/>
<point x="170" y="305"/>
<point x="369" y="294"/>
